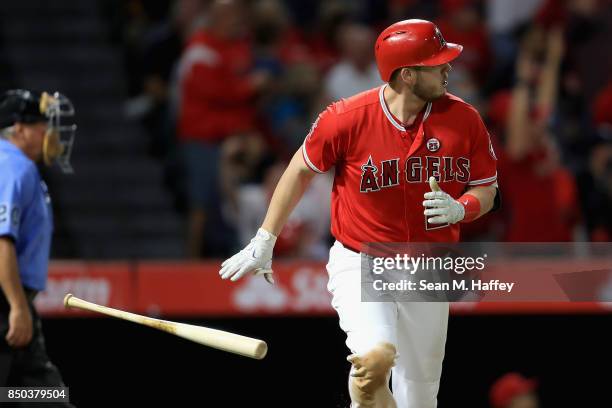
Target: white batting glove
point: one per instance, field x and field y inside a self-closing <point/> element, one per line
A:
<point x="255" y="258"/>
<point x="441" y="206"/>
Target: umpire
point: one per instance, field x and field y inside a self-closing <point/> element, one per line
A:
<point x="31" y="130"/>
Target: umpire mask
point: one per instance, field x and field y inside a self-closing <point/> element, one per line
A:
<point x="57" y="146"/>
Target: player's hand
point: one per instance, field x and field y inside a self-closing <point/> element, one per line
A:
<point x="20" y="327"/>
<point x="441" y="208"/>
<point x="256" y="258"/>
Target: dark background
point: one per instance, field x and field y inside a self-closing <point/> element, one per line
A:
<point x="108" y="362"/>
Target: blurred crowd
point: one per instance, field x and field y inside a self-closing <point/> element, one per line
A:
<point x="228" y="89"/>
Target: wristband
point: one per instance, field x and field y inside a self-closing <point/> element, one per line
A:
<point x="471" y="204"/>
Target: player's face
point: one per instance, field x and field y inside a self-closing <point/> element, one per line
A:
<point x="34" y="135"/>
<point x="431" y="82"/>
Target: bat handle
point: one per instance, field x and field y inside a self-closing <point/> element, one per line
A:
<point x="67" y="299"/>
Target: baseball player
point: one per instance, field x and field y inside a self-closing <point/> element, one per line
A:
<point x="30" y="131"/>
<point x="386" y="144"/>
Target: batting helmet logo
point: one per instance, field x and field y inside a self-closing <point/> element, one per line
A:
<point x="440" y="38"/>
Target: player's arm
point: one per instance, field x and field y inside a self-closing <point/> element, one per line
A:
<point x="257" y="256"/>
<point x="20" y="319"/>
<point x="518" y="140"/>
<point x="485" y="195"/>
<point x="323" y="147"/>
<point x="548" y="84"/>
<point x="288" y="192"/>
<point x="321" y="150"/>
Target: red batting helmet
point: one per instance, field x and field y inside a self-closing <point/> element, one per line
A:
<point x="411" y="43"/>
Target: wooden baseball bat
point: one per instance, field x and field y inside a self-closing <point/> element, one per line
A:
<point x="219" y="339"/>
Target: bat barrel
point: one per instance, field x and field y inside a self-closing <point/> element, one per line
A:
<point x="236" y="343"/>
<point x="261" y="349"/>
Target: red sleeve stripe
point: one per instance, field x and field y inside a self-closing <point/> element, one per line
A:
<point x="308" y="162"/>
<point x="483" y="181"/>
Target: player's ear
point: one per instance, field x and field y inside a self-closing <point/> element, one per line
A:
<point x="407" y="75"/>
<point x="17" y="129"/>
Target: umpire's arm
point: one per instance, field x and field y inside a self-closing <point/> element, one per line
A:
<point x="20" y="318"/>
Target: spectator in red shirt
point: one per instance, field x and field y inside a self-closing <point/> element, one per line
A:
<point x="217" y="90"/>
<point x="539" y="193"/>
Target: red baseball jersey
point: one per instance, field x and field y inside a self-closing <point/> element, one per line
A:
<point x="382" y="168"/>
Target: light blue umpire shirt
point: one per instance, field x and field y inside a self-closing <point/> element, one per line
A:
<point x="25" y="214"/>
